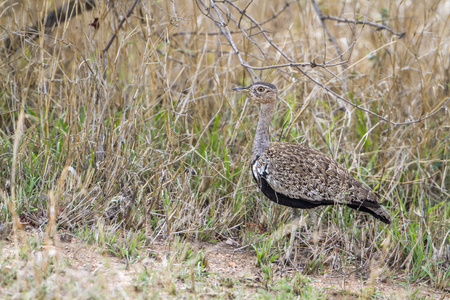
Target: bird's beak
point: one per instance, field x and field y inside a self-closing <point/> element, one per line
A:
<point x="241" y="89"/>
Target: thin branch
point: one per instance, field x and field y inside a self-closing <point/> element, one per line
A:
<point x="370" y="23"/>
<point x="297" y="66"/>
<point x="436" y="110"/>
<point x="206" y="11"/>
<point x="249" y="36"/>
<point x="286" y="6"/>
<point x="330" y="36"/>
<point x="223" y="29"/>
<point x="130" y="11"/>
<point x="276" y="15"/>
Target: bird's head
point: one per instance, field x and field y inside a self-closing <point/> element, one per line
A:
<point x="262" y="92"/>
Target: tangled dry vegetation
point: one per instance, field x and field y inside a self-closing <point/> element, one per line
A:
<point x="142" y="142"/>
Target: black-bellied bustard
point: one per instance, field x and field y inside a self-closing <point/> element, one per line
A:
<point x="298" y="176"/>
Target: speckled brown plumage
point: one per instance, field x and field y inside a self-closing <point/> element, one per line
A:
<point x="301" y="177"/>
<point x="308" y="178"/>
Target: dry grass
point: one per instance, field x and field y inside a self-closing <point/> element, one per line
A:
<point x="159" y="148"/>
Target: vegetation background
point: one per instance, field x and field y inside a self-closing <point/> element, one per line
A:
<point x="141" y="150"/>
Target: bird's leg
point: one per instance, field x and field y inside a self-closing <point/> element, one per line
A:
<point x="295" y="221"/>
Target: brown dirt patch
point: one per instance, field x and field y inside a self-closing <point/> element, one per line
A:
<point x="95" y="272"/>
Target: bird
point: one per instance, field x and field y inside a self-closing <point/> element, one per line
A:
<point x="298" y="176"/>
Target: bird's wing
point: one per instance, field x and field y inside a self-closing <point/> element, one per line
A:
<point x="303" y="173"/>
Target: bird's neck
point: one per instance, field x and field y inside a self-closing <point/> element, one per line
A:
<point x="262" y="140"/>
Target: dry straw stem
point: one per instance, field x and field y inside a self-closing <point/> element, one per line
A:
<point x="12" y="202"/>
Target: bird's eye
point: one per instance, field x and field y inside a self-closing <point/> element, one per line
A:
<point x="260" y="89"/>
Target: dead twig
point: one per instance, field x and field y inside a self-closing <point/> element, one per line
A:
<point x="208" y="11"/>
<point x="275" y="15"/>
<point x="330" y="36"/>
<point x="130" y="11"/>
<point x="292" y="63"/>
<point x="364" y="22"/>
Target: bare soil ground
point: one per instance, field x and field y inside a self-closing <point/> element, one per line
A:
<point x="78" y="270"/>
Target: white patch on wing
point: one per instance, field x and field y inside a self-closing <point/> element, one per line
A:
<point x="258" y="169"/>
<point x="255" y="170"/>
